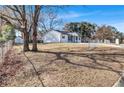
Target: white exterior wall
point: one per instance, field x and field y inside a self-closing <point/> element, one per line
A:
<point x="18" y="39"/>
<point x="56" y="37"/>
<point x="106" y="41"/>
<point x="79" y="40"/>
<point x="52" y="36"/>
<point x="117" y="41"/>
<point x="65" y="39"/>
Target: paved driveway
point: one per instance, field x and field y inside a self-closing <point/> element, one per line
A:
<point x="120" y="82"/>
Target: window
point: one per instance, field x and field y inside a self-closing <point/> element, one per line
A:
<point x="63" y="37"/>
<point x="76" y="38"/>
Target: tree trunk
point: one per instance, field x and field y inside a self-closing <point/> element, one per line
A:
<point x="34" y="39"/>
<point x="35" y="25"/>
<point x="26" y="42"/>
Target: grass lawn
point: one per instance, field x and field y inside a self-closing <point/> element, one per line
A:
<point x="73" y="65"/>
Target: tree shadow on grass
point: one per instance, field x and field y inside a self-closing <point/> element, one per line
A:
<point x="92" y="56"/>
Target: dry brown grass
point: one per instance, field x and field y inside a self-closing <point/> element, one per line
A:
<point x="70" y="65"/>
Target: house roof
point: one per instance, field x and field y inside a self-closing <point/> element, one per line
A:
<point x="68" y="33"/>
<point x="63" y="32"/>
<point x="73" y="34"/>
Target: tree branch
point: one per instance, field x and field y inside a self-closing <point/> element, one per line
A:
<point x="4" y="15"/>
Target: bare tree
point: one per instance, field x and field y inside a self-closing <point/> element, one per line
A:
<point x="49" y="19"/>
<point x="104" y="32"/>
<point x="25" y="19"/>
<point x="18" y="17"/>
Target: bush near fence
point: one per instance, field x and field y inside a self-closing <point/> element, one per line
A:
<point x="4" y="48"/>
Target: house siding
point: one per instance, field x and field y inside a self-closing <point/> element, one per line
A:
<point x="56" y="37"/>
<point x="19" y="40"/>
<point x="64" y="38"/>
<point x="52" y="36"/>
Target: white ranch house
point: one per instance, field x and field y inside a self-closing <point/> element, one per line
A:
<point x="55" y="36"/>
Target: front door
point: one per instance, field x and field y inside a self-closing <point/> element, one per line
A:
<point x="70" y="38"/>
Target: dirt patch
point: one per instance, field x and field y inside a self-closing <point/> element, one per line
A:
<point x="9" y="67"/>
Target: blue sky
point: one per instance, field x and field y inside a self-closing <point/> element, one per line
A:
<point x="109" y="15"/>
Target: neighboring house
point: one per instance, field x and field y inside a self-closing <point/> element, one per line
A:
<point x="19" y="38"/>
<point x="39" y="37"/>
<point x="55" y="36"/>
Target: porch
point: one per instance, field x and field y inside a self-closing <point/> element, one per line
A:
<point x="74" y="39"/>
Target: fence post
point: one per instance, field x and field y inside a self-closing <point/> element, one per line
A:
<point x="2" y="52"/>
<point x="4" y="48"/>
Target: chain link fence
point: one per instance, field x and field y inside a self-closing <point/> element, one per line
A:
<point x="4" y="48"/>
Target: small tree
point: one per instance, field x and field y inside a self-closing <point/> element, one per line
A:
<point x="104" y="32"/>
<point x="7" y="33"/>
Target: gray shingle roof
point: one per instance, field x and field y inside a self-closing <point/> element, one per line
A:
<point x="68" y="33"/>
